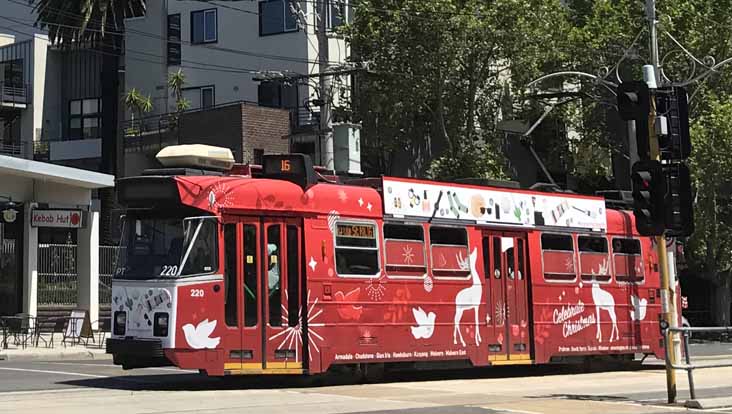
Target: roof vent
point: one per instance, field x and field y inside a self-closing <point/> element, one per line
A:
<point x="196" y="156"/>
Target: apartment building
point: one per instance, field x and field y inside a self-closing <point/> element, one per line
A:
<point x="235" y="52"/>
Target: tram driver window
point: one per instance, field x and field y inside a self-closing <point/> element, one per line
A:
<point x="628" y="261"/>
<point x="594" y="259"/>
<point x="449" y="250"/>
<point x="356" y="250"/>
<point x="558" y="257"/>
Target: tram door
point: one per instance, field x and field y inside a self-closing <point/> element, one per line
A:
<point x="270" y="263"/>
<point x="505" y="262"/>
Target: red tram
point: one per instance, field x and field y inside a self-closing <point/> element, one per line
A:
<point x="279" y="272"/>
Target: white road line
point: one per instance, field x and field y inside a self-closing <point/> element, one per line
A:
<point x="41" y="371"/>
<point x="118" y="367"/>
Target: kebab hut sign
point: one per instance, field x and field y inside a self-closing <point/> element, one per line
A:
<point x="57" y="218"/>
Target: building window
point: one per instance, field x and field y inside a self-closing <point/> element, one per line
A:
<point x="558" y="257"/>
<point x="276" y="17"/>
<point x="85" y="118"/>
<point x="204" y="26"/>
<point x="174" y="39"/>
<point x="356" y="249"/>
<point x="12" y="74"/>
<point x="201" y="96"/>
<point x="277" y="95"/>
<point x="258" y="156"/>
<point x="339" y="13"/>
<point x="207" y="97"/>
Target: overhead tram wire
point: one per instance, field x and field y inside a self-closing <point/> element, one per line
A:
<point x="215" y="68"/>
<point x="182" y="42"/>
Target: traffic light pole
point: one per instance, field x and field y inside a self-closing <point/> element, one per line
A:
<point x="667" y="291"/>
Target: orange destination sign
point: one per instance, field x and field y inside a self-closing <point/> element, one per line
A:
<point x="356" y="230"/>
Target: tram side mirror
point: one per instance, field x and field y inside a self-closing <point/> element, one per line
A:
<point x="296" y="168"/>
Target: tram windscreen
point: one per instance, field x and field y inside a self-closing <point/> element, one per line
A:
<point x="157" y="247"/>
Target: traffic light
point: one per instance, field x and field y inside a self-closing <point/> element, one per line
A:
<point x="634" y="105"/>
<point x="649" y="192"/>
<point x="673" y="104"/>
<point x="679" y="202"/>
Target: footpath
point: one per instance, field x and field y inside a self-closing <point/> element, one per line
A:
<point x="56" y="350"/>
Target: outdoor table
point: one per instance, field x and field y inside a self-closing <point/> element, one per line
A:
<point x="72" y="329"/>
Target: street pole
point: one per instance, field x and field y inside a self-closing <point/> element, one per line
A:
<point x="326" y="131"/>
<point x="667" y="290"/>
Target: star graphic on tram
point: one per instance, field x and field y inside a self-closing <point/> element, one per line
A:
<point x="312" y="263"/>
<point x="408" y="255"/>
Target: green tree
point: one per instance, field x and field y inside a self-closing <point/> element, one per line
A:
<point x="710" y="248"/>
<point x="138" y="104"/>
<point x="439" y="75"/>
<point x="176" y="82"/>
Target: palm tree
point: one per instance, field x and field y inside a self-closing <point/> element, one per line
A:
<point x="138" y="104"/>
<point x="98" y="25"/>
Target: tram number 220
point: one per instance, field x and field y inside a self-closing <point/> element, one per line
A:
<point x="196" y="293"/>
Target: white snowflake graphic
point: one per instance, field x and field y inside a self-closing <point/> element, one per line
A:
<point x="501" y="313"/>
<point x="292" y="335"/>
<point x="569" y="264"/>
<point x="428" y="284"/>
<point x="342" y="196"/>
<point x="408" y="255"/>
<point x="376" y="288"/>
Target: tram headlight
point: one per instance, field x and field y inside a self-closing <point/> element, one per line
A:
<point x="160" y="327"/>
<point x="120" y="322"/>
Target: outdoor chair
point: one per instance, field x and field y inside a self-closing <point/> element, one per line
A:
<point x="45" y="329"/>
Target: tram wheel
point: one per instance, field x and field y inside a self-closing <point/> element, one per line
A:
<point x="371" y="372"/>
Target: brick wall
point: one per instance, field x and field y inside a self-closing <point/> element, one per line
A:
<point x="264" y="128"/>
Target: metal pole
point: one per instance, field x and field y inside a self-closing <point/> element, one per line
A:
<point x="326" y="131"/>
<point x="668" y="299"/>
<point x="651" y="15"/>
<point x="689" y="371"/>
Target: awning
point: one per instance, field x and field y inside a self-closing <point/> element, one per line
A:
<point x="54" y="173"/>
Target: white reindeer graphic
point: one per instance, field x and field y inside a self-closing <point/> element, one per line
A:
<point x="604" y="301"/>
<point x="468" y="298"/>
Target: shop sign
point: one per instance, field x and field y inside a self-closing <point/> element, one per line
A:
<point x="56" y="218"/>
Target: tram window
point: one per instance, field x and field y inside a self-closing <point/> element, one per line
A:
<point x="558" y="257"/>
<point x="230" y="290"/>
<point x="293" y="276"/>
<point x="404" y="249"/>
<point x="497" y="257"/>
<point x="594" y="259"/>
<point x="356" y="250"/>
<point x="250" y="275"/>
<point x="628" y="261"/>
<point x="273" y="275"/>
<point x="449" y="250"/>
<point x="521" y="259"/>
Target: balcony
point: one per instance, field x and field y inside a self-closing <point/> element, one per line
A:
<point x="13" y="149"/>
<point x="14" y="95"/>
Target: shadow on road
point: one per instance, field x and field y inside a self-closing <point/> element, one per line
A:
<point x="198" y="382"/>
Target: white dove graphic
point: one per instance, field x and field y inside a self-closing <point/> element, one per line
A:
<point x="638" y="313"/>
<point x="425" y="323"/>
<point x="198" y="337"/>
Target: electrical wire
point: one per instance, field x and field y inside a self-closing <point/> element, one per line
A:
<point x="159" y="37"/>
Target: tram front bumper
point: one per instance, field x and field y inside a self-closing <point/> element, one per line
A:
<point x="137" y="353"/>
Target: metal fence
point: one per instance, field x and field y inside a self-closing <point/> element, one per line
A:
<point x="58" y="274"/>
<point x="688" y="366"/>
